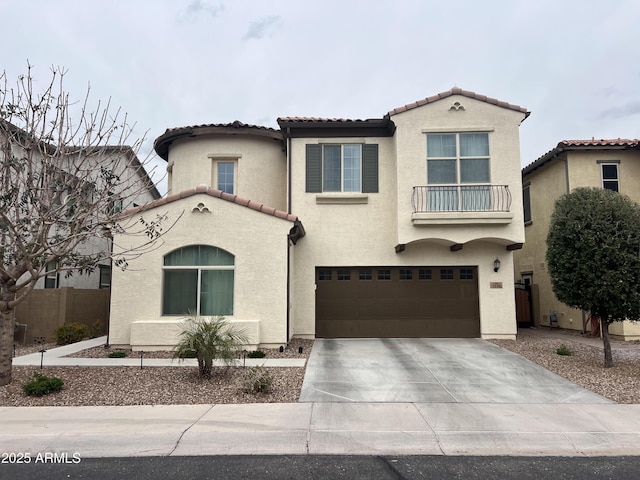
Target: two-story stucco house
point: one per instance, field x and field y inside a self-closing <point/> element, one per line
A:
<point x="400" y="226"/>
<point x="612" y="164"/>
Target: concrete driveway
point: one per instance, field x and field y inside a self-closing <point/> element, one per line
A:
<point x="431" y="371"/>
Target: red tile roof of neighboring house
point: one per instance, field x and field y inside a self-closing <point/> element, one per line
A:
<point x="464" y="93"/>
<point x="161" y="144"/>
<point x="616" y="142"/>
<point x="593" y="144"/>
<point x="212" y="192"/>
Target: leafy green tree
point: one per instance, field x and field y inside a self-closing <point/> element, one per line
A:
<point x="593" y="256"/>
<point x="211" y="339"/>
<point x="66" y="170"/>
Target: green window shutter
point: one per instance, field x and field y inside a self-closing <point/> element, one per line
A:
<point x="314" y="168"/>
<point x="370" y="168"/>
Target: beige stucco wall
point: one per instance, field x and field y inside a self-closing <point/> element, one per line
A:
<point x="259" y="243"/>
<point x="260" y="172"/>
<point x="365" y="234"/>
<point x="502" y="125"/>
<point x="547" y="184"/>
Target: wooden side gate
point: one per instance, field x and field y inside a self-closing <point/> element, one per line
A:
<point x="524" y="305"/>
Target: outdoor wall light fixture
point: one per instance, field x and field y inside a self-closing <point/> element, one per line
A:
<point x="496" y="265"/>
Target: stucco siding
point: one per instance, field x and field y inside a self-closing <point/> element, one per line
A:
<point x="258" y="243"/>
<point x="502" y="126"/>
<point x="571" y="169"/>
<point x="260" y="166"/>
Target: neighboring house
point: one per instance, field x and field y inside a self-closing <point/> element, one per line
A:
<point x="101" y="278"/>
<point x="612" y="164"/>
<point x="410" y="223"/>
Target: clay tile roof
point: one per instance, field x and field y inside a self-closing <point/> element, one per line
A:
<point x="464" y="93"/>
<point x="615" y="142"/>
<point x="212" y="192"/>
<point x="161" y="144"/>
<point x="599" y="144"/>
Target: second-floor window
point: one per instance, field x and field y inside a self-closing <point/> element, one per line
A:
<point x="52" y="277"/>
<point x="341" y="168"/>
<point x="526" y="203"/>
<point x="458" y="172"/>
<point x="225" y="176"/>
<point x="610" y="179"/>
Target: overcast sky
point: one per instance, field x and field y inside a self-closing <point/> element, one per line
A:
<point x="575" y="64"/>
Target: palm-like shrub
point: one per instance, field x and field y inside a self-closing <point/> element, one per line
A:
<point x="211" y="339"/>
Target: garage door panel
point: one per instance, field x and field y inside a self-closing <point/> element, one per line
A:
<point x="390" y="302"/>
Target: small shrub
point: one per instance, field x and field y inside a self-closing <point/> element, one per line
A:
<point x="118" y="354"/>
<point x="71" y="333"/>
<point x="42" y="385"/>
<point x="96" y="329"/>
<point x="257" y="380"/>
<point x="256" y="354"/>
<point x="564" y="350"/>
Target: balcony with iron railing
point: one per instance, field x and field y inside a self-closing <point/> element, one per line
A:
<point x="461" y="204"/>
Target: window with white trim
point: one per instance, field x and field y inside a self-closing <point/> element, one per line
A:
<point x="52" y="276"/>
<point x="225" y="175"/>
<point x="458" y="171"/>
<point x="341" y="166"/>
<point x="610" y="178"/>
<point x="198" y="279"/>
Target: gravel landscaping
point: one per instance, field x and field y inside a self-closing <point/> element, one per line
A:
<point x="584" y="366"/>
<point x="182" y="385"/>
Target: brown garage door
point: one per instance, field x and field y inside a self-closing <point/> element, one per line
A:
<point x="393" y="302"/>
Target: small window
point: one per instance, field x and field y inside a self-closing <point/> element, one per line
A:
<point x="226" y="176"/>
<point x="526" y="204"/>
<point x="424" y="274"/>
<point x="105" y="276"/>
<point x="324" y="275"/>
<point x="406" y="274"/>
<point x="365" y="275"/>
<point x="344" y="275"/>
<point x="466" y="274"/>
<point x="52" y="277"/>
<point x="446" y="274"/>
<point x="384" y="274"/>
<point x="610" y="180"/>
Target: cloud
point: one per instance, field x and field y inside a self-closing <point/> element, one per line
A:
<point x="262" y="27"/>
<point x="198" y="8"/>
<point x="622" y="111"/>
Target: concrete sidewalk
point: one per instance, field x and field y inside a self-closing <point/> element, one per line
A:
<point x="538" y="429"/>
<point x="328" y="428"/>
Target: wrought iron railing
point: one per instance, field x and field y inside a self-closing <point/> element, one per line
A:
<point x="461" y="198"/>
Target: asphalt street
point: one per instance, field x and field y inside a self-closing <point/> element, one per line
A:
<point x="313" y="467"/>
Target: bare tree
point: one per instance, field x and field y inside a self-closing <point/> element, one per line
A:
<point x="63" y="180"/>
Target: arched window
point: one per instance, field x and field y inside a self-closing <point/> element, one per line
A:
<point x="198" y="279"/>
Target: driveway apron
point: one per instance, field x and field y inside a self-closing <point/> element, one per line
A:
<point x="425" y="370"/>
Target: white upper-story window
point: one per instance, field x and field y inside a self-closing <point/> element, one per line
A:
<point x="457" y="158"/>
<point x="341" y="167"/>
<point x="610" y="179"/>
<point x="458" y="172"/>
<point x="226" y="176"/>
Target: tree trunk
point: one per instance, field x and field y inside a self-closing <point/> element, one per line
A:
<point x="608" y="359"/>
<point x="6" y="345"/>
